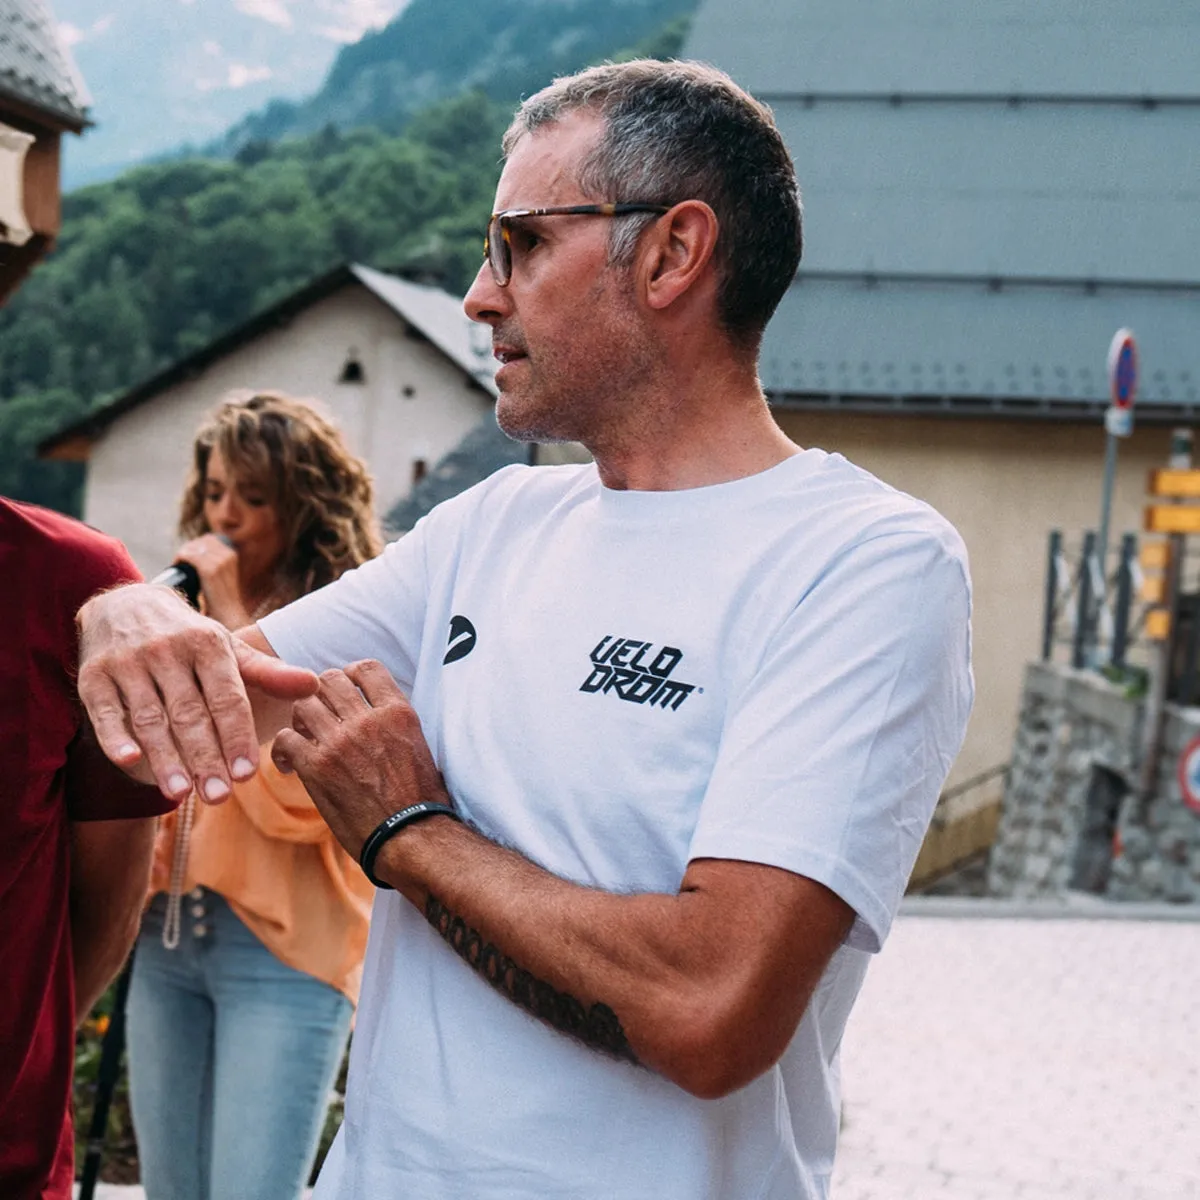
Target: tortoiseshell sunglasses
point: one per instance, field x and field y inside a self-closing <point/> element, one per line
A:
<point x="497" y="245"/>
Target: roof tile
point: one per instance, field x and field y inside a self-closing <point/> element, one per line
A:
<point x="35" y="65"/>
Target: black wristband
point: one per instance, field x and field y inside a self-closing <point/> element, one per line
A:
<point x="392" y="826"/>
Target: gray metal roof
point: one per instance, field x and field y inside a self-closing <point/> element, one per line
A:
<point x="36" y="67"/>
<point x="1029" y="349"/>
<point x="440" y="317"/>
<point x="1132" y="48"/>
<point x="485" y="449"/>
<point x="990" y="192"/>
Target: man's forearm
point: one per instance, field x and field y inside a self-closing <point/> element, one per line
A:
<point x="483" y="899"/>
<point x="110" y="873"/>
<point x="660" y="979"/>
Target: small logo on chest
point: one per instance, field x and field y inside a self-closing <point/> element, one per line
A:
<point x="637" y="672"/>
<point x="461" y="641"/>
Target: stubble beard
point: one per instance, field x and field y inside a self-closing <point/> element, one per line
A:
<point x="590" y="392"/>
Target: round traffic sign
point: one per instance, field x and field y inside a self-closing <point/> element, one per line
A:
<point x="1189" y="774"/>
<point x="1122" y="368"/>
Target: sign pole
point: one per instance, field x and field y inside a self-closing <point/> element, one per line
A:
<point x="1110" y="475"/>
<point x="1118" y="423"/>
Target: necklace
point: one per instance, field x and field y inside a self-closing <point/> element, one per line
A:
<point x="183" y="834"/>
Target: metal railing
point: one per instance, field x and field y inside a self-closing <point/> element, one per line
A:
<point x="1095" y="615"/>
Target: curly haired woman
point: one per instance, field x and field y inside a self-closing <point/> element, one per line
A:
<point x="250" y="956"/>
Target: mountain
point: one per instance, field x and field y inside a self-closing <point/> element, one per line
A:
<point x="438" y="48"/>
<point x="159" y="261"/>
<point x="164" y="73"/>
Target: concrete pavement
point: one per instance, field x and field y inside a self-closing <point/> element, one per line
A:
<point x="998" y="1053"/>
<point x="1046" y="1059"/>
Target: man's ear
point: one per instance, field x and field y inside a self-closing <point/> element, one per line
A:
<point x="678" y="251"/>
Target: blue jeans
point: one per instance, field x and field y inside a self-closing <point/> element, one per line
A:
<point x="232" y="1056"/>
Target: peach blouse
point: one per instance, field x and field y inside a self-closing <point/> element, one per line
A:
<point x="269" y="853"/>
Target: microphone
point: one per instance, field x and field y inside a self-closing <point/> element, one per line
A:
<point x="184" y="578"/>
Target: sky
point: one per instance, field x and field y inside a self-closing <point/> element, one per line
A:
<point x="163" y="73"/>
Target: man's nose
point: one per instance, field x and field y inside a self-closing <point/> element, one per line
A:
<point x="485" y="300"/>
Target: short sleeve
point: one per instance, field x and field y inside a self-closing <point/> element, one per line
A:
<point x="89" y="562"/>
<point x="95" y="790"/>
<point x="375" y="611"/>
<point x="836" y="747"/>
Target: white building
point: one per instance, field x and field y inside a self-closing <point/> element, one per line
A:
<point x="396" y="364"/>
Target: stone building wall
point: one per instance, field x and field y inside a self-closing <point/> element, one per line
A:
<point x="1073" y="819"/>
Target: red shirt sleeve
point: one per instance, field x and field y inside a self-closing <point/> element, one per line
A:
<point x="95" y="790"/>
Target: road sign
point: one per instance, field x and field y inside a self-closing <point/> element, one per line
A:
<point x="1122" y="369"/>
<point x="1118" y="421"/>
<point x="1172" y="518"/>
<point x="1189" y="774"/>
<point x="1168" y="482"/>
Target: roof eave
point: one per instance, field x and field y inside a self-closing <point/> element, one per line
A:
<point x="994" y="407"/>
<point x="66" y="443"/>
<point x="58" y="119"/>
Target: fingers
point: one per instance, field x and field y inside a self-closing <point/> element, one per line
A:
<point x="314" y="720"/>
<point x="271" y="675"/>
<point x="375" y="682"/>
<point x="288" y="751"/>
<point x="340" y="695"/>
<point x="107" y="714"/>
<point x="190" y="716"/>
<point x="226" y="740"/>
<point x="148" y="724"/>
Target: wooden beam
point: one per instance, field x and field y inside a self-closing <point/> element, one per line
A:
<point x="1174" y="482"/>
<point x="17" y="261"/>
<point x="1172" y="518"/>
<point x="43" y="209"/>
<point x="75" y="449"/>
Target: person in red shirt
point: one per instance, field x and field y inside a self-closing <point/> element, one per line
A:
<point x="76" y="837"/>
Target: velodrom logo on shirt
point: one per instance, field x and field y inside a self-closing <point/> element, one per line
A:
<point x="636" y="672"/>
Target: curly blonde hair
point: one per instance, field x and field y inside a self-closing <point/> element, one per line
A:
<point x="322" y="493"/>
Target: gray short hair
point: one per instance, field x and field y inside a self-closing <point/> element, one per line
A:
<point x="679" y="131"/>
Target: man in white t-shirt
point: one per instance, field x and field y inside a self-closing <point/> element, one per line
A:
<point x="645" y="748"/>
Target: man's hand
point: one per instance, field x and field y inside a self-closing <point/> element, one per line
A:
<point x="358" y="748"/>
<point x="165" y="689"/>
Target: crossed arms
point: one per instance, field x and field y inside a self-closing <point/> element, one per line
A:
<point x="705" y="986"/>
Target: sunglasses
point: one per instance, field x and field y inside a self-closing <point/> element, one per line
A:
<point x="497" y="245"/>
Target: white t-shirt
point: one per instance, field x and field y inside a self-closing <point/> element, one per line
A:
<point x="774" y="669"/>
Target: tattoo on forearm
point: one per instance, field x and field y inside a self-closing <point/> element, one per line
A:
<point x="597" y="1026"/>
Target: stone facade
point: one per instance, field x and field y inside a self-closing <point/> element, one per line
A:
<point x="1073" y="818"/>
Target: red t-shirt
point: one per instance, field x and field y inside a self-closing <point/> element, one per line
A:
<point x="49" y="565"/>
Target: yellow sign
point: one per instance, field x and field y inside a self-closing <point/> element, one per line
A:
<point x="1174" y="482"/>
<point x="1154" y="589"/>
<point x="1172" y="518"/>
<point x="1158" y="624"/>
<point x="1155" y="556"/>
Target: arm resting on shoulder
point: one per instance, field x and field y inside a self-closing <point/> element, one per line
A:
<point x="110" y="872"/>
<point x="706" y="986"/>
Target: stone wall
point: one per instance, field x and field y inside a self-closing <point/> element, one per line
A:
<point x="1073" y="819"/>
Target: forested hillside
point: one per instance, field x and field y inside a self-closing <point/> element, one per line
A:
<point x="439" y="48"/>
<point x="159" y="261"/>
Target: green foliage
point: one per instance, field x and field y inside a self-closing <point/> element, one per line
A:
<point x="153" y="265"/>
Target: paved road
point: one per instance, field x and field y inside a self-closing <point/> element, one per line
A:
<point x="1020" y="1059"/>
<point x="993" y="1059"/>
